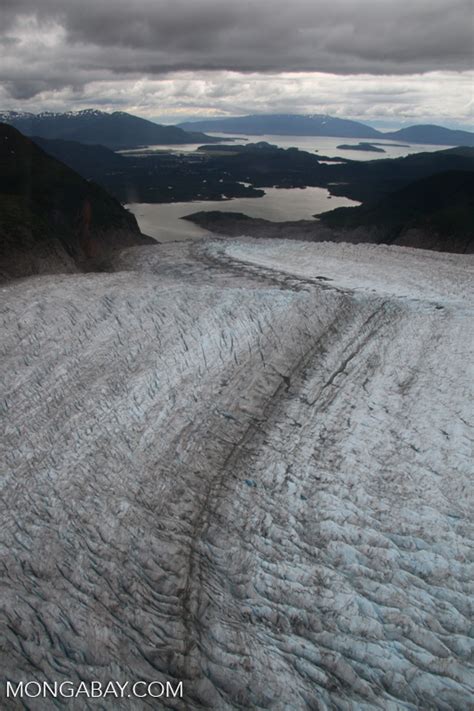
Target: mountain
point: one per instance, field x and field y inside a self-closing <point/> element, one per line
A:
<point x="371" y="181"/>
<point x="118" y="130"/>
<point x="436" y="212"/>
<point x="321" y="125"/>
<point x="89" y="160"/>
<point x="436" y="135"/>
<point x="286" y="125"/>
<point x="51" y="219"/>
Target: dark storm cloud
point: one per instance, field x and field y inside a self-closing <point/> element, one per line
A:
<point x="65" y="42"/>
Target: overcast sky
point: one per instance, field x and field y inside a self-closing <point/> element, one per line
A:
<point x="406" y="61"/>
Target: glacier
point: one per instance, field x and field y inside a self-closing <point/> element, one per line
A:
<point x="245" y="465"/>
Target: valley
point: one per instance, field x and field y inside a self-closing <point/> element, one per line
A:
<point x="236" y="355"/>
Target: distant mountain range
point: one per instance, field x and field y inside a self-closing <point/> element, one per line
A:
<point x="321" y="125"/>
<point x="117" y="130"/>
<point x="120" y="130"/>
<point x="286" y="125"/>
<point x="51" y="219"/>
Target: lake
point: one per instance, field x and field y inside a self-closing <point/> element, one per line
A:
<point x="164" y="223"/>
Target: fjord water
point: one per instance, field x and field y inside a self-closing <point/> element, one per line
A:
<point x="163" y="221"/>
<point x="324" y="145"/>
<point x="328" y="145"/>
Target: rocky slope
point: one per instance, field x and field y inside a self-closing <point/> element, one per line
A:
<point x="242" y="465"/>
<point x="51" y="219"/>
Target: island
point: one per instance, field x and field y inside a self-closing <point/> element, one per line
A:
<point x="360" y="147"/>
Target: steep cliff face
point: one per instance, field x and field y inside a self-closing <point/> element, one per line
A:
<point x="51" y="219"/>
<point x="250" y="473"/>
